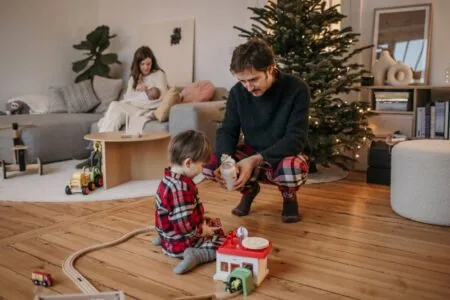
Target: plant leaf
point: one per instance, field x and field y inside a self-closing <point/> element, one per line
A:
<point x="81" y="64"/>
<point x="109" y="58"/>
<point x="101" y="69"/>
<point x="95" y="37"/>
<point x="84" y="45"/>
<point x="103" y="44"/>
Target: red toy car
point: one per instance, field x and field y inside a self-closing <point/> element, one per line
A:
<point x="42" y="278"/>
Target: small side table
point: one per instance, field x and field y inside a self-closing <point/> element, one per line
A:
<point x="131" y="158"/>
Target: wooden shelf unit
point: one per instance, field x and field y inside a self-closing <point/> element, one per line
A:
<point x="389" y="121"/>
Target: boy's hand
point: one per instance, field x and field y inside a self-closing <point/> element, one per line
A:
<point x="218" y="176"/>
<point x="213" y="222"/>
<point x="208" y="230"/>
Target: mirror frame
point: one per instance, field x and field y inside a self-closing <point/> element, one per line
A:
<point x="428" y="30"/>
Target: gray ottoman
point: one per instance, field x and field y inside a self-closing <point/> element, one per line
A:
<point x="420" y="181"/>
<point x="53" y="137"/>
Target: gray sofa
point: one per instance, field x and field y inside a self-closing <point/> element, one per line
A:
<point x="56" y="137"/>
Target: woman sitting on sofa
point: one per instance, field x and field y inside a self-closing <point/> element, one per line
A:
<point x="147" y="85"/>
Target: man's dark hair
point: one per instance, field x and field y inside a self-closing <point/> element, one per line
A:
<point x="191" y="144"/>
<point x="254" y="53"/>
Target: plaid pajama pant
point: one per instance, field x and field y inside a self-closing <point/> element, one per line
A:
<point x="290" y="173"/>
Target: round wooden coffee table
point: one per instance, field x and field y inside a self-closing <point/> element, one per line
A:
<point x="126" y="158"/>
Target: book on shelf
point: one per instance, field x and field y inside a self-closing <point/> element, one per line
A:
<point x="433" y="121"/>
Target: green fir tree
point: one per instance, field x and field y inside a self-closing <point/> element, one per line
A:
<point x="306" y="45"/>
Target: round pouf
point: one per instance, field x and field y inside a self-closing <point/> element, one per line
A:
<point x="420" y="181"/>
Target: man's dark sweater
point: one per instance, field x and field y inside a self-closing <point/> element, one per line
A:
<point x="274" y="124"/>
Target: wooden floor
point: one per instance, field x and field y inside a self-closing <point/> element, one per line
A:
<point x="349" y="245"/>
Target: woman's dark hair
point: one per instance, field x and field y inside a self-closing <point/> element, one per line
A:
<point x="141" y="54"/>
<point x="191" y="144"/>
<point x="254" y="53"/>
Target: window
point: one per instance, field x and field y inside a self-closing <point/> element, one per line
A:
<point x="248" y="266"/>
<point x="411" y="53"/>
<point x="233" y="266"/>
<point x="224" y="266"/>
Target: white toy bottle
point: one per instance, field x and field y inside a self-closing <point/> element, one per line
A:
<point x="228" y="171"/>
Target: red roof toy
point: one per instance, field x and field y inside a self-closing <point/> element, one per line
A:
<point x="246" y="252"/>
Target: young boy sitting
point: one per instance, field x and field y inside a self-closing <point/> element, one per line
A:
<point x="179" y="216"/>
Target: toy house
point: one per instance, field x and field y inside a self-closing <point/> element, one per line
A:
<point x="231" y="254"/>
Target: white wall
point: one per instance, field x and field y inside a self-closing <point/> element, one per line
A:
<point x="214" y="34"/>
<point x="37" y="37"/>
<point x="36" y="43"/>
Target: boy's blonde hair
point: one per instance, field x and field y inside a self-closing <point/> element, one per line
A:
<point x="191" y="144"/>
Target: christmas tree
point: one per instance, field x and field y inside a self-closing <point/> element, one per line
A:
<point x="306" y="45"/>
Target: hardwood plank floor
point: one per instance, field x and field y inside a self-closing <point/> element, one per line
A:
<point x="350" y="245"/>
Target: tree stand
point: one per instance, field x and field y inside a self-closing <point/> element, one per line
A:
<point x="20" y="162"/>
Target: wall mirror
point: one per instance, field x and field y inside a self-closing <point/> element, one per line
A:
<point x="406" y="32"/>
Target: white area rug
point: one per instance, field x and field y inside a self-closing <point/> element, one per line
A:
<point x="30" y="187"/>
<point x="323" y="175"/>
<point x="50" y="186"/>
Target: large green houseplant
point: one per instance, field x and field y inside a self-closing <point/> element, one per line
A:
<point x="96" y="63"/>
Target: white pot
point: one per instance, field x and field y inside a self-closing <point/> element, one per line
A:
<point x="381" y="66"/>
<point x="399" y="74"/>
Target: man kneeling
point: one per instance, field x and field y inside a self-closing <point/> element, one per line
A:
<point x="271" y="110"/>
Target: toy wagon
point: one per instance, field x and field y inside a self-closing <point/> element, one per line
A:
<point x="41" y="278"/>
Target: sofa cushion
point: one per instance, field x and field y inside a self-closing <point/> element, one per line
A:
<point x="156" y="126"/>
<point x="106" y="90"/>
<point x="171" y="97"/>
<point x="220" y="94"/>
<point x="80" y="97"/>
<point x="57" y="103"/>
<point x="52" y="137"/>
<point x="149" y="126"/>
<point x="41" y="103"/>
<point x="200" y="91"/>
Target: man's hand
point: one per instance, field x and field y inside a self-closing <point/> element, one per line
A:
<point x="244" y="169"/>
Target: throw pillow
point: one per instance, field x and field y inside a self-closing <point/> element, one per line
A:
<point x="220" y="94"/>
<point x="171" y="97"/>
<point x="107" y="90"/>
<point x="56" y="104"/>
<point x="200" y="91"/>
<point x="80" y="97"/>
<point x="38" y="103"/>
